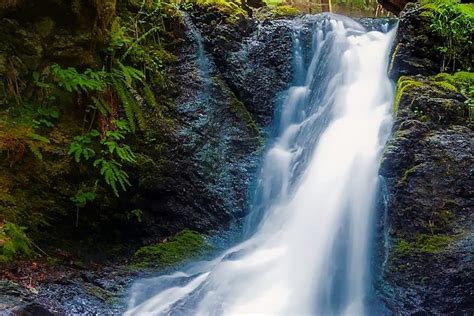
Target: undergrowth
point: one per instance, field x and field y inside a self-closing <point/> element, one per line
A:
<point x="13" y="241"/>
<point x="83" y="120"/>
<point x="453" y="23"/>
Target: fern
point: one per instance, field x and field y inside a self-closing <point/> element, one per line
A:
<point x="129" y="103"/>
<point x="34" y="144"/>
<point x="83" y="197"/>
<point x="126" y="102"/>
<point x="128" y="73"/>
<point x="81" y="146"/>
<point x="149" y="96"/>
<point x="73" y="81"/>
<point x="101" y="105"/>
<point x="35" y="150"/>
<point x="13" y="242"/>
<point x="39" y="138"/>
<point x="111" y="143"/>
<point x="113" y="174"/>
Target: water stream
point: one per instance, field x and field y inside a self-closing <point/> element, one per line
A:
<point x="309" y="248"/>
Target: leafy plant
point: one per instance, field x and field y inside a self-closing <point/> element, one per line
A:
<point x="113" y="152"/>
<point x="452" y="22"/>
<point x="45" y="116"/>
<point x="113" y="174"/>
<point x="81" y="147"/>
<point x="122" y="79"/>
<point x="13" y="241"/>
<point x="82" y="198"/>
<point x="71" y="80"/>
<point x="135" y="213"/>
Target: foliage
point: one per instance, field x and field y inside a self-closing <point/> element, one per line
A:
<point x="81" y="199"/>
<point x="13" y="241"/>
<point x="185" y="245"/>
<point x="284" y="10"/>
<point x="16" y="139"/>
<point x="46" y="116"/>
<point x="81" y="146"/>
<point x="113" y="173"/>
<point x="71" y="80"/>
<point x="452" y="22"/>
<point x="135" y="213"/>
<point x="49" y="107"/>
<point x="121" y="79"/>
<point x="112" y="151"/>
<point x="355" y="7"/>
<point x="423" y="244"/>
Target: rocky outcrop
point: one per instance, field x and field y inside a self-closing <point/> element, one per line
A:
<point x="428" y="167"/>
<point x="414" y="52"/>
<point x="418" y="48"/>
<point x="394" y="6"/>
<point x="253" y="57"/>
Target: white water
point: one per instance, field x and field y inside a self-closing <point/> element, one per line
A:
<point x="309" y="254"/>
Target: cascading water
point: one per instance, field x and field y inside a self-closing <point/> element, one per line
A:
<point x="314" y="200"/>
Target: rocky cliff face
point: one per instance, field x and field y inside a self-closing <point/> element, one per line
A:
<point x="222" y="116"/>
<point x="428" y="169"/>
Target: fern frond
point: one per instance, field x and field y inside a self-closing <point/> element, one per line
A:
<point x="35" y="150"/>
<point x="139" y="116"/>
<point x="101" y="105"/>
<point x="149" y="95"/>
<point x="127" y="102"/>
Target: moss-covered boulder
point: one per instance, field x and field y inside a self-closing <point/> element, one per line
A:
<point x="185" y="245"/>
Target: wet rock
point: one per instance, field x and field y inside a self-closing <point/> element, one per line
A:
<point x="102" y="293"/>
<point x="415" y="50"/>
<point x="428" y="167"/>
<point x="250" y="55"/>
<point x="394" y="6"/>
<point x="33" y="309"/>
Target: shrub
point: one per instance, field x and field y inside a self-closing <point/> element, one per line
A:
<point x="453" y="23"/>
<point x="13" y="241"/>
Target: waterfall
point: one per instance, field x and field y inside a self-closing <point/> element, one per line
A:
<point x="314" y="200"/>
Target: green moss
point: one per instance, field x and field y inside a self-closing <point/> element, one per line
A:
<point x="459" y="81"/>
<point x="446" y="86"/>
<point x="423" y="244"/>
<point x="284" y="11"/>
<point x="404" y="85"/>
<point x="232" y="8"/>
<point x="408" y="172"/>
<point x="462" y="82"/>
<point x="99" y="293"/>
<point x="239" y="109"/>
<point x="185" y="245"/>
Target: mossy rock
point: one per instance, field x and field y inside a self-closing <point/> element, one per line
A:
<point x="443" y="98"/>
<point x="185" y="245"/>
<point x="424" y="244"/>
